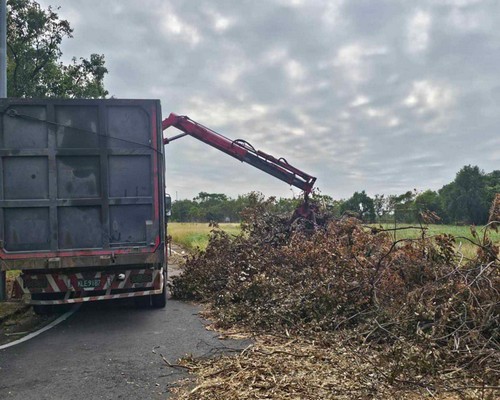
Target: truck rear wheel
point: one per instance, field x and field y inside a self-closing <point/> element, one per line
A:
<point x="160" y="300"/>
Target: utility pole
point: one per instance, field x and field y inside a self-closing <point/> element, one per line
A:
<point x="3" y="49"/>
<point x="3" y="94"/>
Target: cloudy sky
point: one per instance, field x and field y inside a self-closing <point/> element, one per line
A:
<point x="382" y="96"/>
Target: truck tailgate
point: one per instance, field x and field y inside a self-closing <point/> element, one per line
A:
<point x="80" y="180"/>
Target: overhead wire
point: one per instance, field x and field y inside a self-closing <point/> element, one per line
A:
<point x="14" y="113"/>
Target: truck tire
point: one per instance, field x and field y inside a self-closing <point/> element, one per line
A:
<point x="160" y="300"/>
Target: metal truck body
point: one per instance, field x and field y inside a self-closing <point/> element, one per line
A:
<point x="82" y="194"/>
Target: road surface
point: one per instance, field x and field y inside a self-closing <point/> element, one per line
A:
<point x="107" y="351"/>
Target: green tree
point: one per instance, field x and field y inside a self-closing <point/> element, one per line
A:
<point x="383" y="207"/>
<point x="34" y="69"/>
<point x="429" y="201"/>
<point x="404" y="207"/>
<point x="361" y="204"/>
<point x="465" y="199"/>
<point x="492" y="182"/>
<point x="184" y="211"/>
<point x="334" y="207"/>
<point x="212" y="206"/>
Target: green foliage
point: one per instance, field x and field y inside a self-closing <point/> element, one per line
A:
<point x="334" y="207"/>
<point x="361" y="204"/>
<point x="211" y="207"/>
<point x="428" y="201"/>
<point x="217" y="207"/>
<point x="492" y="185"/>
<point x="34" y="36"/>
<point x="382" y="207"/>
<point x="404" y="207"/>
<point x="465" y="199"/>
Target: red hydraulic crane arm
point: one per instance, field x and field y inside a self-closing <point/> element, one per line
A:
<point x="243" y="151"/>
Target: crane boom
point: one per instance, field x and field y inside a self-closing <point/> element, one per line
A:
<point x="241" y="150"/>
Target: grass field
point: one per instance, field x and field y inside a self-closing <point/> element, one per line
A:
<point x="193" y="235"/>
<point x="457" y="231"/>
<point x="462" y="234"/>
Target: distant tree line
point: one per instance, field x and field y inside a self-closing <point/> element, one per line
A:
<point x="218" y="207"/>
<point x="466" y="200"/>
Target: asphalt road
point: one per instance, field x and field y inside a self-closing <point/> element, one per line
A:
<point x="108" y="351"/>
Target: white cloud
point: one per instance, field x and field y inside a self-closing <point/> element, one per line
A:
<point x="332" y="14"/>
<point x="219" y="113"/>
<point x="460" y="3"/>
<point x="349" y="58"/>
<point x="274" y="55"/>
<point x="471" y="19"/>
<point x="375" y="112"/>
<point x="222" y="23"/>
<point x="230" y="74"/>
<point x="431" y="104"/>
<point x="172" y="24"/>
<point x="393" y="122"/>
<point x="294" y="70"/>
<point x="292" y="3"/>
<point x="418" y="31"/>
<point x="354" y="60"/>
<point x="426" y="95"/>
<point x="360" y="100"/>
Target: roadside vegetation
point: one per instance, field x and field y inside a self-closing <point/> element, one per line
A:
<point x="465" y="201"/>
<point x="345" y="311"/>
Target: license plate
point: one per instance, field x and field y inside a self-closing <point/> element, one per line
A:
<point x="88" y="283"/>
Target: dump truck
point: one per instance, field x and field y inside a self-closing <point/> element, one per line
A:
<point x="83" y="208"/>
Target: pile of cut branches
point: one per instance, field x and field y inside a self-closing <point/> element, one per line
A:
<point x="427" y="310"/>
